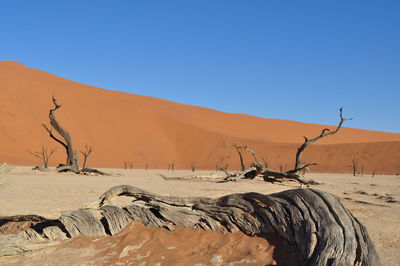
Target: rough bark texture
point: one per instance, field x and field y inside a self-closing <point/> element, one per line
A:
<point x="72" y="155"/>
<point x="312" y="221"/>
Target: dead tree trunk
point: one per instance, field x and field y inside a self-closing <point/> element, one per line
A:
<point x="72" y="155"/>
<point x="320" y="229"/>
<point x="239" y="150"/>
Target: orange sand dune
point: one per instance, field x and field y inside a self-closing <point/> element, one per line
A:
<point x="126" y="127"/>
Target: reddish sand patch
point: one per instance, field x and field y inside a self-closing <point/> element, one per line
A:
<point x="126" y="127"/>
<point x="140" y="245"/>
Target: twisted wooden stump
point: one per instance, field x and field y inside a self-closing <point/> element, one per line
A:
<point x="315" y="223"/>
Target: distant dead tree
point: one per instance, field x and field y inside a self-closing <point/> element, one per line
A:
<point x="258" y="168"/>
<point x="373" y="173"/>
<point x="282" y="167"/>
<point x="44" y="155"/>
<point x="239" y="150"/>
<point x="193" y="166"/>
<point x="397" y="166"/>
<point x="354" y="165"/>
<point x="169" y="166"/>
<point x="86" y="152"/>
<point x="128" y="164"/>
<point x="266" y="162"/>
<point x="147" y="166"/>
<point x="172" y="166"/>
<point x="362" y="170"/>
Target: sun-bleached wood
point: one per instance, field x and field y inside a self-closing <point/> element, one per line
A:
<point x="315" y="223"/>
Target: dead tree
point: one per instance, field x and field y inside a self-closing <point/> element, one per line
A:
<point x="130" y="165"/>
<point x="193" y="166"/>
<point x="44" y="155"/>
<point x="88" y="150"/>
<point x="259" y="168"/>
<point x="354" y="165"/>
<point x="72" y="162"/>
<point x="307" y="142"/>
<point x="320" y="230"/>
<point x="72" y="155"/>
<point x="173" y="166"/>
<point x="239" y="150"/>
<point x="266" y="162"/>
<point x="373" y="173"/>
<point x="147" y="166"/>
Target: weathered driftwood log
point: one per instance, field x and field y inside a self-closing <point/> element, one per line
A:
<point x="315" y="223"/>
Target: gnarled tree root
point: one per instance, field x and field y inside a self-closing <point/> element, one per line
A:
<point x="312" y="221"/>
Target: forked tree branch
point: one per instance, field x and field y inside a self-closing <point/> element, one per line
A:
<point x="307" y="142"/>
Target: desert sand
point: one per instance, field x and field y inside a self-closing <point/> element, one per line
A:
<point x="374" y="201"/>
<point x="126" y="127"/>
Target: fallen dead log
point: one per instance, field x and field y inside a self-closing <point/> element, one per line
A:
<point x="315" y="223"/>
<point x="84" y="171"/>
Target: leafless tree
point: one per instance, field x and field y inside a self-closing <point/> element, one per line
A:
<point x="362" y="170"/>
<point x="270" y="175"/>
<point x="147" y="166"/>
<point x="86" y="152"/>
<point x="44" y="155"/>
<point x="193" y="166"/>
<point x="282" y="167"/>
<point x="373" y="173"/>
<point x="72" y="155"/>
<point x="354" y="165"/>
<point x="266" y="162"/>
<point x="239" y="150"/>
<point x="72" y="162"/>
<point x="173" y="166"/>
<point x="259" y="168"/>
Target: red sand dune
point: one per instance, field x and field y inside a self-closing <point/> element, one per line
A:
<point x="126" y="127"/>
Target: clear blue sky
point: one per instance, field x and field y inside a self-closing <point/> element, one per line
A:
<point x="297" y="60"/>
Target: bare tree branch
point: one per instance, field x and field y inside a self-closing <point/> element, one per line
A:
<point x="43" y="155"/>
<point x="88" y="150"/>
<point x="307" y="142"/>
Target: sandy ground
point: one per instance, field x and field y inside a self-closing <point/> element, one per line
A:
<point x="374" y="201"/>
